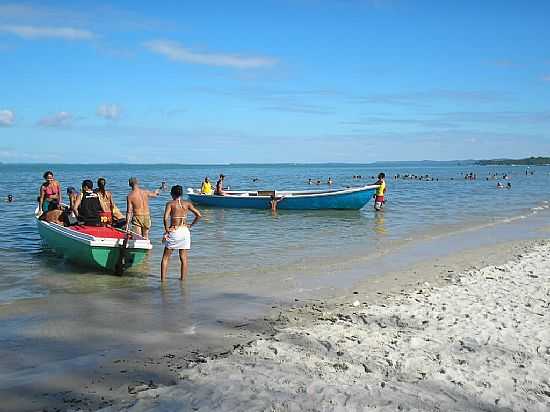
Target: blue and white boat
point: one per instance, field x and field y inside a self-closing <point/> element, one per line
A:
<point x="349" y="198"/>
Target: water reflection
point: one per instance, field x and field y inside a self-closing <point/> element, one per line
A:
<point x="379" y="226"/>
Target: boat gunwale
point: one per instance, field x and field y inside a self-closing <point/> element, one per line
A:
<point x="94" y="241"/>
<point x="237" y="194"/>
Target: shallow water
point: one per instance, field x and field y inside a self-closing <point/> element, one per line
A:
<point x="235" y="243"/>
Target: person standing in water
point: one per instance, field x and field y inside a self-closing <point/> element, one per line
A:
<point x="176" y="231"/>
<point x="137" y="211"/>
<point x="50" y="190"/>
<point x="380" y="192"/>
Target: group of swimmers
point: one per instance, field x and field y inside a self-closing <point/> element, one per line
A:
<point x="329" y="182"/>
<point x="407" y="176"/>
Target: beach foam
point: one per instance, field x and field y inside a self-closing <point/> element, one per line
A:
<point x="479" y="343"/>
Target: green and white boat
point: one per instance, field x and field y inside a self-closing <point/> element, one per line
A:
<point x="103" y="248"/>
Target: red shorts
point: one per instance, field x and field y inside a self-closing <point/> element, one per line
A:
<point x="379" y="199"/>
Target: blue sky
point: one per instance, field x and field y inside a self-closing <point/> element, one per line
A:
<point x="273" y="81"/>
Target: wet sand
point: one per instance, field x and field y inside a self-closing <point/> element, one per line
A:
<point x="478" y="341"/>
<point x="78" y="351"/>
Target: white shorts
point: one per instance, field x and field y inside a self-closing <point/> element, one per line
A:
<point x="179" y="239"/>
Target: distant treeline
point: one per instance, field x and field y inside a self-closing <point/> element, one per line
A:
<point x="530" y="161"/>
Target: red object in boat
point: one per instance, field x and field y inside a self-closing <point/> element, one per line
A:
<point x="100" y="231"/>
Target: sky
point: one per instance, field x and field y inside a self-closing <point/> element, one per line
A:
<point x="273" y="81"/>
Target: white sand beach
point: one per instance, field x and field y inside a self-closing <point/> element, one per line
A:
<point x="478" y="341"/>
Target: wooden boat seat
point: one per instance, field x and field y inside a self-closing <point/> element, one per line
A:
<point x="266" y="192"/>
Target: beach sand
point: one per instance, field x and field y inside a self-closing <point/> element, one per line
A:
<point x="464" y="333"/>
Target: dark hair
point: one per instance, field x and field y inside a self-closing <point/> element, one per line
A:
<point x="176" y="191"/>
<point x="88" y="184"/>
<point x="101" y="182"/>
<point x="132" y="181"/>
<point x="381" y="175"/>
<point x="46" y="174"/>
<point x="222" y="177"/>
<point x="70" y="190"/>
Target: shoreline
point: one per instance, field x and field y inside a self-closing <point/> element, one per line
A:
<point x="473" y="339"/>
<point x="116" y="376"/>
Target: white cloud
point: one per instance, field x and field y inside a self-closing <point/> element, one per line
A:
<point x="7" y="118"/>
<point x="57" y="120"/>
<point x="109" y="111"/>
<point x="35" y="32"/>
<point x="177" y="52"/>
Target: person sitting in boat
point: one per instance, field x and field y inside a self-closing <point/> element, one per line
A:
<point x="111" y="213"/>
<point x="380" y="192"/>
<point x="176" y="231"/>
<point x="49" y="191"/>
<point x="88" y="206"/>
<point x="219" y="186"/>
<point x="55" y="215"/>
<point x="206" y="187"/>
<point x="330" y="181"/>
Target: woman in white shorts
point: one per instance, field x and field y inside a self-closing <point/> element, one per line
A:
<point x="177" y="235"/>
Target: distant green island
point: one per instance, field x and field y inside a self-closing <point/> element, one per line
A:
<point x="530" y="161"/>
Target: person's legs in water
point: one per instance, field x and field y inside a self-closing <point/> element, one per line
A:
<point x="164" y="263"/>
<point x="184" y="264"/>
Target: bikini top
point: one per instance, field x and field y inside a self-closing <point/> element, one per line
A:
<point x="181" y="207"/>
<point x="51" y="189"/>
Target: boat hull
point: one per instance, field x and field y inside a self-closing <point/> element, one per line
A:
<point x="354" y="198"/>
<point x="84" y="250"/>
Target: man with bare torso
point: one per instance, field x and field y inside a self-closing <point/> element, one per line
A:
<point x="137" y="211"/>
<point x="176" y="231"/>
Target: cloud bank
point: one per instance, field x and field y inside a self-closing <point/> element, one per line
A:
<point x="57" y="120"/>
<point x="35" y="32"/>
<point x="176" y="52"/>
<point x="7" y="118"/>
<point x="109" y="111"/>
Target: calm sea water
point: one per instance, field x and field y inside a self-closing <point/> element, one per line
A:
<point x="235" y="243"/>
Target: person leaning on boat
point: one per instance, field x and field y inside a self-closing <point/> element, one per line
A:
<point x="50" y="191"/>
<point x="137" y="212"/>
<point x="111" y="213"/>
<point x="55" y="215"/>
<point x="380" y="192"/>
<point x="176" y="231"/>
<point x="87" y="205"/>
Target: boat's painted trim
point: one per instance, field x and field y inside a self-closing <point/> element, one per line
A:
<point x="93" y="241"/>
<point x="349" y="198"/>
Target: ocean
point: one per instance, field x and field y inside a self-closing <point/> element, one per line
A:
<point x="235" y="244"/>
